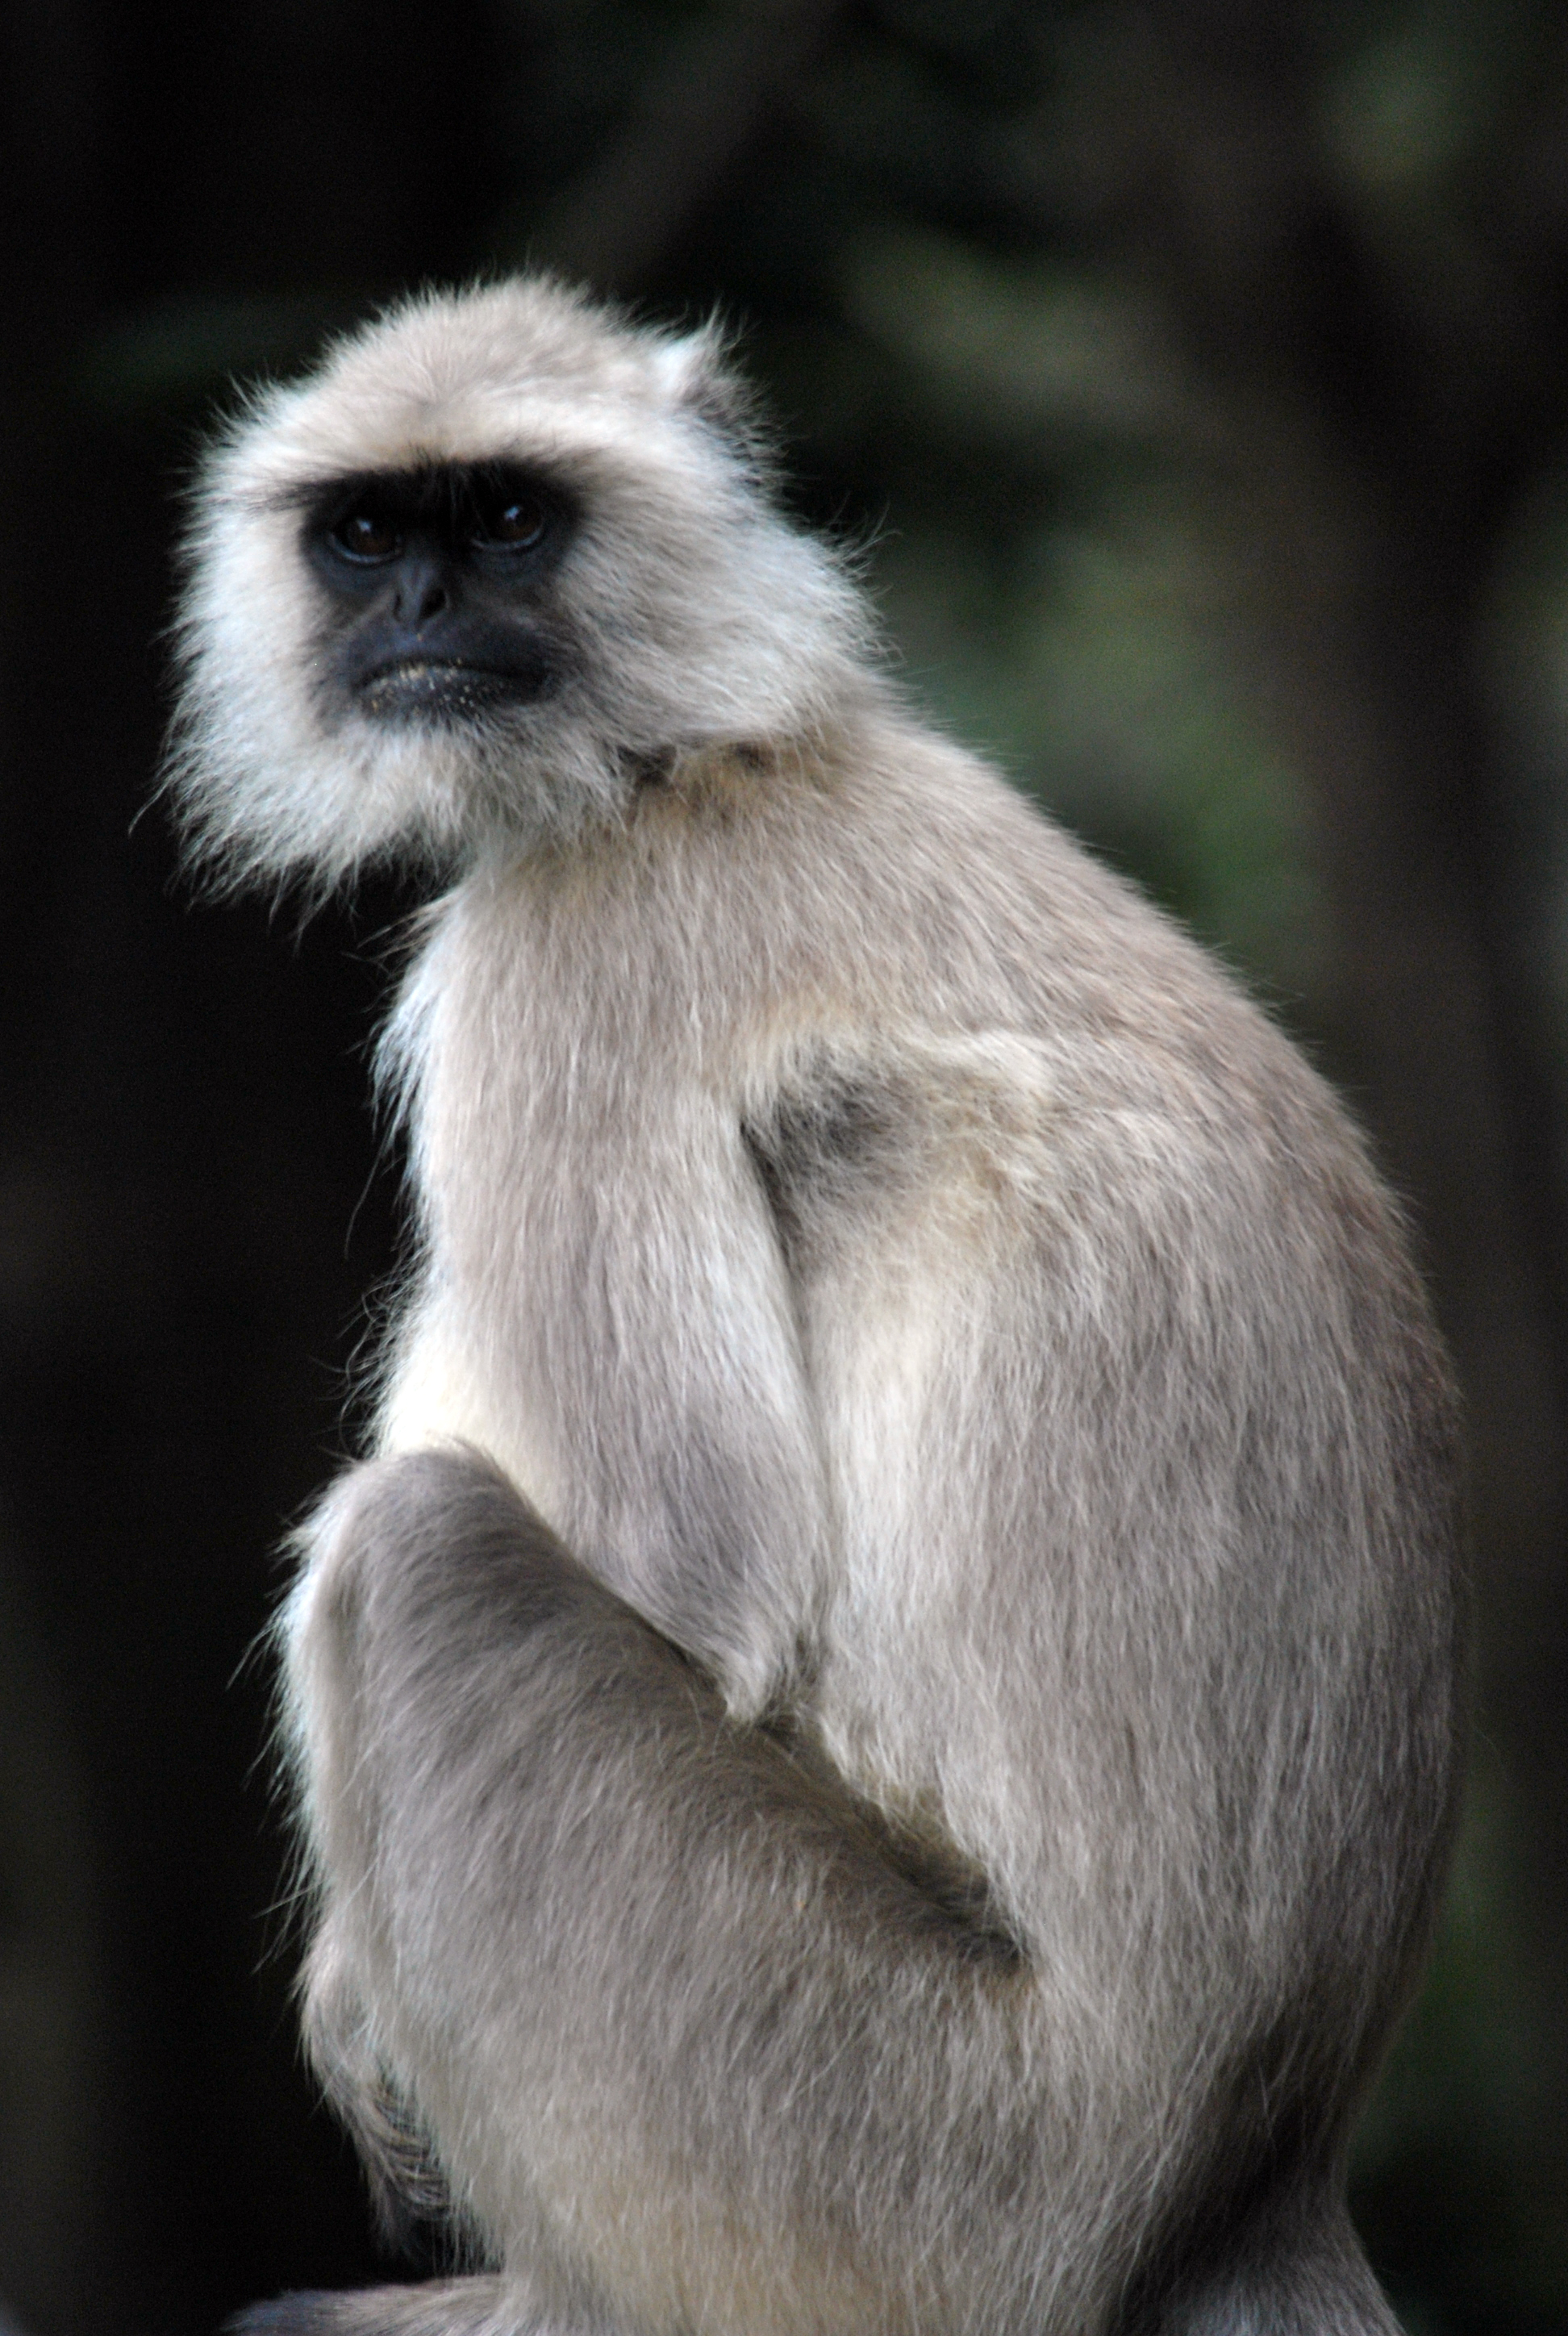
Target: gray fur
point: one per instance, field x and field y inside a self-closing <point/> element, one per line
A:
<point x="478" y="2307"/>
<point x="878" y="1740"/>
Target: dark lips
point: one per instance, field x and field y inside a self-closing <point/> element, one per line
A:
<point x="434" y="684"/>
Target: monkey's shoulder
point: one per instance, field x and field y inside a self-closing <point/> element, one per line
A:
<point x="981" y="1143"/>
<point x="917" y="878"/>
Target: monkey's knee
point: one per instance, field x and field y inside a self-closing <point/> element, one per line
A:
<point x="415" y="1518"/>
<point x="414" y="1568"/>
<point x="379" y="1521"/>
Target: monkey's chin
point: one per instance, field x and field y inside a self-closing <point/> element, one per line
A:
<point x="426" y="689"/>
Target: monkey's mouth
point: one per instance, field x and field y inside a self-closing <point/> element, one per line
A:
<point x="438" y="686"/>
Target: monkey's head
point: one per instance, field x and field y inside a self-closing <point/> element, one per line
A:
<point x="468" y="582"/>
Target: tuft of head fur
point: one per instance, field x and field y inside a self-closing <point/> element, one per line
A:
<point x="696" y="613"/>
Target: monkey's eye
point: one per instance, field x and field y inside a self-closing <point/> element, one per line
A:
<point x="367" y="535"/>
<point x="508" y="521"/>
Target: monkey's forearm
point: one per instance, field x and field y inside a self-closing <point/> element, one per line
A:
<point x="595" y="1926"/>
<point x="697" y="1488"/>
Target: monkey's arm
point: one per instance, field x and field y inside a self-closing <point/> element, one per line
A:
<point x="617" y="1330"/>
<point x="636" y="1965"/>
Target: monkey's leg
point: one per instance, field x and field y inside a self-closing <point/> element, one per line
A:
<point x="644" y="1966"/>
<point x="658" y="1988"/>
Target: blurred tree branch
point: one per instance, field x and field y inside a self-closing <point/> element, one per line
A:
<point x="616" y="224"/>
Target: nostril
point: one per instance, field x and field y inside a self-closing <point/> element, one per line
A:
<point x="422" y="592"/>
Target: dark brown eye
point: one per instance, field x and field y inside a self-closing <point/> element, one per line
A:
<point x="511" y="523"/>
<point x="367" y="535"/>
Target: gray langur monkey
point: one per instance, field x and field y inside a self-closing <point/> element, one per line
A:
<point x="876" y="1734"/>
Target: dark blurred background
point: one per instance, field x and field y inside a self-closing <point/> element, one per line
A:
<point x="1200" y="373"/>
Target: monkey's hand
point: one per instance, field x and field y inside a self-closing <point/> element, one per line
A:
<point x="657" y="1987"/>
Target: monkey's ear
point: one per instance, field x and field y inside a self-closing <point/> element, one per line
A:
<point x="692" y="373"/>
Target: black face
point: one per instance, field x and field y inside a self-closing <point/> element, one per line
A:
<point x="439" y="581"/>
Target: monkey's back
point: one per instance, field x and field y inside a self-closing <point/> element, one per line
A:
<point x="1133" y="1582"/>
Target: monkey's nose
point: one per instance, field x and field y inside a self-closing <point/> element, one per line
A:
<point x="422" y="592"/>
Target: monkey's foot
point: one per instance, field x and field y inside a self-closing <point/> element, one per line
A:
<point x="443" y="2307"/>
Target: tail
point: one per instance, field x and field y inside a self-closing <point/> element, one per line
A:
<point x="442" y="2307"/>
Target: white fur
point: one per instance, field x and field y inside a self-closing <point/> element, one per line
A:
<point x="701" y="617"/>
